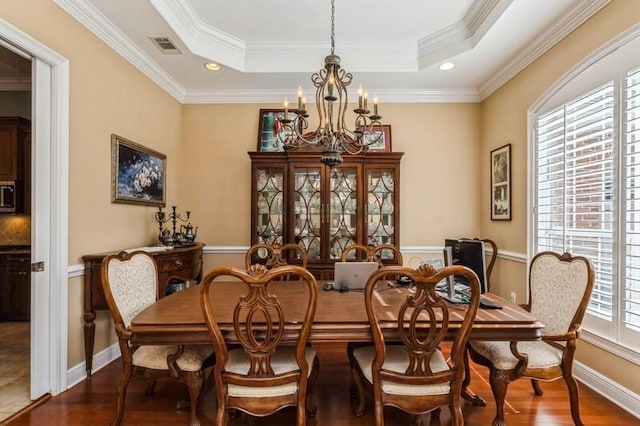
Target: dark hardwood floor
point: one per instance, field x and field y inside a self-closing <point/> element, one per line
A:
<point x="92" y="402"/>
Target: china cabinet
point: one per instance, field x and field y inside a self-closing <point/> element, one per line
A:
<point x="297" y="199"/>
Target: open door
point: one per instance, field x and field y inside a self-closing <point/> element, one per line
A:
<point x="40" y="230"/>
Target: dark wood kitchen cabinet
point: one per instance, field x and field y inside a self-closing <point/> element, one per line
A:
<point x="15" y="158"/>
<point x="15" y="287"/>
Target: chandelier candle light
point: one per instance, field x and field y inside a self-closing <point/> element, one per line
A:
<point x="332" y="134"/>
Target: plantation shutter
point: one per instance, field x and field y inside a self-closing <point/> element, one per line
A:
<point x="575" y="187"/>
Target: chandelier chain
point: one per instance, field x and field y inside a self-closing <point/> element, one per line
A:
<point x="333" y="8"/>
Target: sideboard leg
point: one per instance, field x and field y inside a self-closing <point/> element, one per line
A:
<point x="89" y="336"/>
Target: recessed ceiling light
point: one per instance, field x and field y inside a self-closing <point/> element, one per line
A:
<point x="446" y="66"/>
<point x="211" y="66"/>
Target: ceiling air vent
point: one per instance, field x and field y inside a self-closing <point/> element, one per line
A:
<point x="165" y="45"/>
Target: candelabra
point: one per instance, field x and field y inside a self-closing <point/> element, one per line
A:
<point x="174" y="237"/>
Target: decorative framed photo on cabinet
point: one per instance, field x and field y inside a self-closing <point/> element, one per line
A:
<point x="137" y="173"/>
<point x="379" y="138"/>
<point x="269" y="128"/>
<point x="501" y="183"/>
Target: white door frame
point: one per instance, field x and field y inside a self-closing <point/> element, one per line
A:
<point x="49" y="217"/>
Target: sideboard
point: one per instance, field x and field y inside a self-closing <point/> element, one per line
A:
<point x="179" y="262"/>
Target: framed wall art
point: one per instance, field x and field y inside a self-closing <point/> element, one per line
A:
<point x="269" y="127"/>
<point x="379" y="138"/>
<point x="137" y="173"/>
<point x="501" y="183"/>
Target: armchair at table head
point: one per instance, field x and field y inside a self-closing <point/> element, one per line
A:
<point x="559" y="291"/>
<point x="270" y="366"/>
<point x="272" y="255"/>
<point x="130" y="285"/>
<point x="383" y="254"/>
<point x="416" y="376"/>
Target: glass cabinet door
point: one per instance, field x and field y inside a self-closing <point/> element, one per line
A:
<point x="308" y="210"/>
<point x="269" y="205"/>
<point x="343" y="204"/>
<point x="380" y="208"/>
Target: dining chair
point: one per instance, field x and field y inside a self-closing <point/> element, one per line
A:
<point x="275" y="254"/>
<point x="559" y="291"/>
<point x="418" y="375"/>
<point x="492" y="257"/>
<point x="262" y="365"/>
<point x="130" y="285"/>
<point x="372" y="253"/>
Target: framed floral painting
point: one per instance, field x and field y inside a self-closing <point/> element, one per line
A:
<point x="137" y="173"/>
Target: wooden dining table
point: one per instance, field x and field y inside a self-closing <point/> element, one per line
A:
<point x="340" y="316"/>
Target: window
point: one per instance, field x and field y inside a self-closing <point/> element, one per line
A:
<point x="586" y="181"/>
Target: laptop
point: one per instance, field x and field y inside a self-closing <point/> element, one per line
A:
<point x="352" y="275"/>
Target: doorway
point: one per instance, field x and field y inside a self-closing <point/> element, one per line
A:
<point x="15" y="241"/>
<point x="49" y="210"/>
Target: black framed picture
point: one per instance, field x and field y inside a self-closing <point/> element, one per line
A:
<point x="501" y="183"/>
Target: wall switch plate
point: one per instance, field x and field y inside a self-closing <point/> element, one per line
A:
<point x="512" y="297"/>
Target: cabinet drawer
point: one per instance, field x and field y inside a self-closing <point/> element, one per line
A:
<point x="175" y="262"/>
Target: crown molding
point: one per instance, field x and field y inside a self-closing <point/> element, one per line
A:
<point x="463" y="35"/>
<point x="572" y="19"/>
<point x="202" y="39"/>
<point x="478" y="19"/>
<point x="87" y="15"/>
<point x="276" y="96"/>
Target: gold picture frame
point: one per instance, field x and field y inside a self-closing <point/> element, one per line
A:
<point x="137" y="173"/>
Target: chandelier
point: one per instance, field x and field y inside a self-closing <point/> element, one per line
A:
<point x="332" y="135"/>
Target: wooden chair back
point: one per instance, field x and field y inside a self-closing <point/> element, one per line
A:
<point x="273" y="255"/>
<point x="130" y="284"/>
<point x="242" y="376"/>
<point x="422" y="343"/>
<point x="372" y="253"/>
<point x="560" y="287"/>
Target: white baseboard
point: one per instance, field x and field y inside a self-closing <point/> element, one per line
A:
<point x="78" y="373"/>
<point x="607" y="388"/>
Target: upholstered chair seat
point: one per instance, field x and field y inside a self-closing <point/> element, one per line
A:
<point x="155" y="357"/>
<point x="283" y="361"/>
<point x="541" y="354"/>
<point x="397" y="360"/>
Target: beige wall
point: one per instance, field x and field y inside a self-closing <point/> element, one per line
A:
<point x="107" y="95"/>
<point x="441" y="143"/>
<point x="504" y="120"/>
